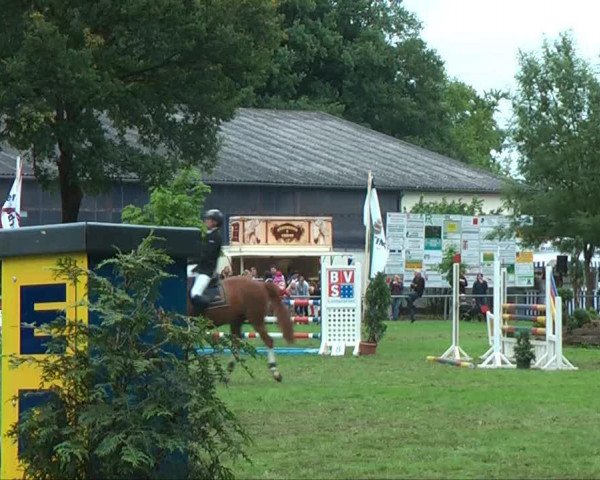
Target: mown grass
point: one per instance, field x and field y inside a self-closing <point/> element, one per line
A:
<point x="395" y="416"/>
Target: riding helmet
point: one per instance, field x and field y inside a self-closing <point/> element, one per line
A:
<point x="215" y="215"/>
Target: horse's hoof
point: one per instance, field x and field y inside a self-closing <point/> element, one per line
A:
<point x="277" y="376"/>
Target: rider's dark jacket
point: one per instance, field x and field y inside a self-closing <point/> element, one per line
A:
<point x="210" y="250"/>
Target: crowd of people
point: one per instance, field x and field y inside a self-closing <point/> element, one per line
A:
<point x="295" y="286"/>
<point x="417" y="288"/>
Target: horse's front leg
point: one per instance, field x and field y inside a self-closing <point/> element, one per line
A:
<point x="268" y="340"/>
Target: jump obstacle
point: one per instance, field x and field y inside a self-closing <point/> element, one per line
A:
<point x="544" y="321"/>
<point x="339" y="314"/>
<point x="455" y="354"/>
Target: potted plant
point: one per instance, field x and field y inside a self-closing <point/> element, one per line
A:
<point x="377" y="304"/>
<point x="524" y="351"/>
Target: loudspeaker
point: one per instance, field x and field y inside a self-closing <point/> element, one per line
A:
<point x="561" y="264"/>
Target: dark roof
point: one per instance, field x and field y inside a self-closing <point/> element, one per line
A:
<point x="305" y="148"/>
<point x="315" y="149"/>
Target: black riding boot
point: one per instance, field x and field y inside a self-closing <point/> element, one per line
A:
<point x="200" y="302"/>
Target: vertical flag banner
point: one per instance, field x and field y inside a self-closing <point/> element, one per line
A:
<point x="377" y="243"/>
<point x="11" y="210"/>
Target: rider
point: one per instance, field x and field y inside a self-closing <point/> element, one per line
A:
<point x="209" y="255"/>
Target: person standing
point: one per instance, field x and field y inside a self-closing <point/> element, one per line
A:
<point x="480" y="289"/>
<point x="417" y="288"/>
<point x="396" y="288"/>
<point x="462" y="284"/>
<point x="302" y="291"/>
<point x="279" y="281"/>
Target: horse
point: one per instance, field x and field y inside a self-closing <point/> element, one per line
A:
<point x="248" y="300"/>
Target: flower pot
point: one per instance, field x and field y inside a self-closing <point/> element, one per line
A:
<point x="522" y="364"/>
<point x="367" y="348"/>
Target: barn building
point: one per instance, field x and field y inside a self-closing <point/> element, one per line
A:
<point x="289" y="164"/>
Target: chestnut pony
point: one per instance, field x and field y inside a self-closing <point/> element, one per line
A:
<point x="249" y="301"/>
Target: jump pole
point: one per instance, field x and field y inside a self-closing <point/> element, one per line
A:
<point x="455" y="352"/>
<point x="496" y="358"/>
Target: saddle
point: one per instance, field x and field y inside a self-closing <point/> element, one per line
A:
<point x="213" y="296"/>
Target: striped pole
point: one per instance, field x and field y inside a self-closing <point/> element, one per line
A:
<point x="532" y="331"/>
<point x="511" y="307"/>
<point x="299" y="320"/>
<point x="254" y="335"/>
<point x="263" y="351"/>
<point x="451" y="361"/>
<point x="301" y="302"/>
<point x="511" y="317"/>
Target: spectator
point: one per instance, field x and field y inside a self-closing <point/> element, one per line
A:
<point x="253" y="273"/>
<point x="462" y="284"/>
<point x="317" y="289"/>
<point x="292" y="289"/>
<point x="226" y="272"/>
<point x="396" y="288"/>
<point x="247" y="273"/>
<point x="268" y="277"/>
<point x="417" y="287"/>
<point x="279" y="281"/>
<point x="480" y="289"/>
<point x="302" y="290"/>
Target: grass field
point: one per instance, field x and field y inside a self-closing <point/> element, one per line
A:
<point x="395" y="416"/>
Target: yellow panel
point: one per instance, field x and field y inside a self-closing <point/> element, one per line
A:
<point x="17" y="273"/>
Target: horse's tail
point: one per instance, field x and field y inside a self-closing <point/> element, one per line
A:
<point x="281" y="312"/>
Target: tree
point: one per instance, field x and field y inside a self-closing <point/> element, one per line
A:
<point x="133" y="394"/>
<point x="177" y="204"/>
<point x="365" y="60"/>
<point x="100" y="90"/>
<point x="474" y="135"/>
<point x="446" y="267"/>
<point x="557" y="109"/>
<point x="444" y="207"/>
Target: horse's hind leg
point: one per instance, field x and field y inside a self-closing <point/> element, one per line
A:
<point x="236" y="335"/>
<point x="260" y="328"/>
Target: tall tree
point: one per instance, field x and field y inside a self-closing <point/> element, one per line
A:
<point x="97" y="90"/>
<point x="473" y="135"/>
<point x="365" y="60"/>
<point x="557" y="108"/>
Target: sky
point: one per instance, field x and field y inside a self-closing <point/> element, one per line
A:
<point x="479" y="39"/>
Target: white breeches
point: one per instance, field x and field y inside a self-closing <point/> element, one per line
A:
<point x="200" y="284"/>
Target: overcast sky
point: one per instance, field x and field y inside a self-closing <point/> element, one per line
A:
<point x="479" y="39"/>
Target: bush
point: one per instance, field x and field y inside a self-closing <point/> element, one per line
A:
<point x="377" y="304"/>
<point x="581" y="317"/>
<point x="566" y="294"/>
<point x="136" y="399"/>
<point x="524" y="354"/>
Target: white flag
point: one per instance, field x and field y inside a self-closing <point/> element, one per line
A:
<point x="11" y="210"/>
<point x="379" y="250"/>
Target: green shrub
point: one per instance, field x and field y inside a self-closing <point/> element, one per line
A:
<point x="566" y="294"/>
<point x="580" y="317"/>
<point x="377" y="304"/>
<point x="524" y="354"/>
<point x="139" y="396"/>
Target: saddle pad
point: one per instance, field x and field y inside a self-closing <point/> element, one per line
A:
<point x="216" y="297"/>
